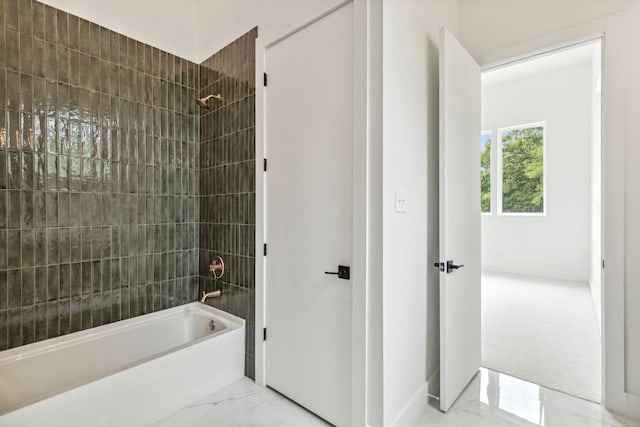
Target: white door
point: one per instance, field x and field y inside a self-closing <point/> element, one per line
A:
<point x="459" y="218"/>
<point x="309" y="133"/>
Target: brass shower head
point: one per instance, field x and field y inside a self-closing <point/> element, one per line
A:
<point x="203" y="102"/>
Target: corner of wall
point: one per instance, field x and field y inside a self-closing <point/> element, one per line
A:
<point x="411" y="412"/>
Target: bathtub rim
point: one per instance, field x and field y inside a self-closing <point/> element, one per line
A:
<point x="95" y="332"/>
<point x="231" y="321"/>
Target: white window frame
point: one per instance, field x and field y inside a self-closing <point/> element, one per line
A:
<point x="499" y="170"/>
<point x="491" y="172"/>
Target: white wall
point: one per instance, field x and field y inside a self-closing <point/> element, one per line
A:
<point x="410" y="111"/>
<point x="537" y="25"/>
<point x="557" y="244"/>
<point x="166" y="24"/>
<point x="519" y="22"/>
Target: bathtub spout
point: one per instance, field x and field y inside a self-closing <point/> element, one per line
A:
<point x="212" y="294"/>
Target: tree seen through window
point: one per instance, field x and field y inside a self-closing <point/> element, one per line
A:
<point x="522" y="170"/>
<point x="485" y="172"/>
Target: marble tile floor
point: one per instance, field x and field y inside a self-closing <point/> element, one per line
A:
<point x="495" y="399"/>
<point x="243" y="403"/>
<point x="491" y="399"/>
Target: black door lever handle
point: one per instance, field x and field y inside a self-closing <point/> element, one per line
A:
<point x="452" y="267"/>
<point x="344" y="272"/>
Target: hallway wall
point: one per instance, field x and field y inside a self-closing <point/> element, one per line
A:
<point x="410" y="163"/>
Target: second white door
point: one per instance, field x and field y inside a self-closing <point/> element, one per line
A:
<point x="459" y="219"/>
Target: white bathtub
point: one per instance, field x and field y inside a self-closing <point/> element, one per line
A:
<point x="128" y="373"/>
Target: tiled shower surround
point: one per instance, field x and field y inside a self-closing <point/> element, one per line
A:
<point x="98" y="175"/>
<point x="227" y="181"/>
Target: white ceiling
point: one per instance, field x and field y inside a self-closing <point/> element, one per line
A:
<point x="541" y="63"/>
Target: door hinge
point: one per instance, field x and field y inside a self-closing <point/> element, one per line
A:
<point x="264" y="334"/>
<point x="265" y="249"/>
<point x="265" y="79"/>
<point x="265" y="165"/>
<point x="603" y="264"/>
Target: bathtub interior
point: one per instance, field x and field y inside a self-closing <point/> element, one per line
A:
<point x="37" y="371"/>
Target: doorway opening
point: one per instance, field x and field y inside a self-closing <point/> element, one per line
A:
<point x="541" y="192"/>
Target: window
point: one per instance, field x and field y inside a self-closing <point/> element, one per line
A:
<point x="485" y="172"/>
<point x="521" y="163"/>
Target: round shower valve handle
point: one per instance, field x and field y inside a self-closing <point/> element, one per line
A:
<point x="216" y="268"/>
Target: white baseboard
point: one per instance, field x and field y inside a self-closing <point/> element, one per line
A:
<point x="412" y="410"/>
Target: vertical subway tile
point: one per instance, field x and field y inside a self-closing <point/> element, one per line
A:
<point x="84" y="28"/>
<point x="3" y="210"/>
<point x="86" y="312"/>
<point x="11" y="13"/>
<point x="75" y="323"/>
<point x="39" y="209"/>
<point x="39" y="62"/>
<point x="65" y="281"/>
<point x="74" y="34"/>
<point x="14" y="327"/>
<point x="86" y="278"/>
<point x="105" y="41"/>
<point x="12" y="46"/>
<point x="40" y="290"/>
<point x="14" y="253"/>
<point x="28" y="286"/>
<point x="106" y="307"/>
<point x="53" y="319"/>
<point x="26" y="54"/>
<point x="53" y="252"/>
<point x="63" y="209"/>
<point x="74" y="67"/>
<point x="97" y="155"/>
<point x="4" y="249"/>
<point x="40" y="322"/>
<point x="13" y="95"/>
<point x="63" y="64"/>
<point x="3" y="46"/>
<point x="114" y="47"/>
<point x="62" y="28"/>
<point x="51" y="63"/>
<point x="53" y="282"/>
<point x="94" y="40"/>
<point x="38" y="20"/>
<point x="14" y="288"/>
<point x="26" y="209"/>
<point x="50" y="24"/>
<point x="28" y="246"/>
<point x="3" y="92"/>
<point x="96" y="309"/>
<point x="64" y="307"/>
<point x="14" y="209"/>
<point x="64" y="245"/>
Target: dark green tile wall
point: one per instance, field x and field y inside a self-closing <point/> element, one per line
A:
<point x="99" y="176"/>
<point x="227" y="181"/>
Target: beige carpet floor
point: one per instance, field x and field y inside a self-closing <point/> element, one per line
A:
<point x="543" y="331"/>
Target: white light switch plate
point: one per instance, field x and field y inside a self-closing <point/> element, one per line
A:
<point x="400" y="201"/>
